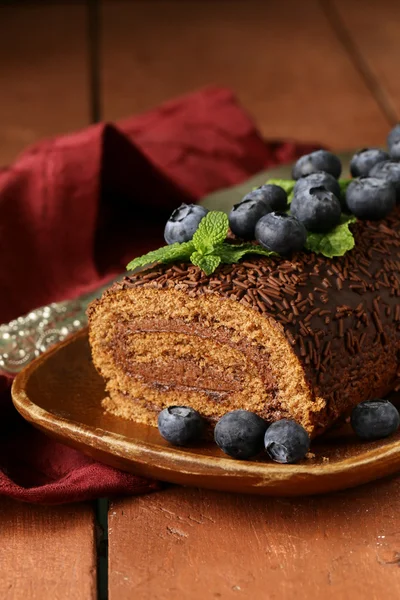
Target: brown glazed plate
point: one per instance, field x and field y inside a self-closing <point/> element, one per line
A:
<point x="60" y="393"/>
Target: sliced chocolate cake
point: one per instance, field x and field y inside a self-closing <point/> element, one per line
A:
<point x="305" y="337"/>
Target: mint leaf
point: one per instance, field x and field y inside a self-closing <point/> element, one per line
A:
<point x="232" y="253"/>
<point x="165" y="254"/>
<point x="211" y="232"/>
<point x="207" y="263"/>
<point x="335" y="243"/>
<point x="286" y="184"/>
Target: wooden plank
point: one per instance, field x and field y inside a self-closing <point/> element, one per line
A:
<point x="283" y="59"/>
<point x="47" y="553"/>
<point x="43" y="75"/>
<point x="374" y="32"/>
<point x="197" y="544"/>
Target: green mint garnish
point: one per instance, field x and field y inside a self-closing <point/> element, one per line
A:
<point x="207" y="263"/>
<point x="206" y="250"/>
<point x="335" y="243"/>
<point x="174" y="252"/>
<point x="209" y="248"/>
<point x="232" y="253"/>
<point x="211" y="232"/>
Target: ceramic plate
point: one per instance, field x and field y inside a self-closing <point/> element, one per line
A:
<point x="60" y="393"/>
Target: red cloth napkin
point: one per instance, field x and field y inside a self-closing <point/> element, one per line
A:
<point x="73" y="211"/>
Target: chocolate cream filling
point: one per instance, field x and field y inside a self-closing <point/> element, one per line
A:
<point x="172" y="372"/>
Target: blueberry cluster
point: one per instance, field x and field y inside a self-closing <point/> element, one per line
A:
<point x="242" y="434"/>
<point x="317" y="200"/>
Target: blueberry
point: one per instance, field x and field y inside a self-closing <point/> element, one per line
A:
<point x="389" y="170"/>
<point x="286" y="441"/>
<point x="183" y="223"/>
<point x="317" y="208"/>
<point x="244" y="216"/>
<point x="272" y="195"/>
<point x="180" y="425"/>
<point x="394" y="135"/>
<point x="281" y="233"/>
<point x="370" y="198"/>
<point x="240" y="433"/>
<point x="363" y="161"/>
<point x="375" y="419"/>
<point x="394" y="150"/>
<point x="320" y="160"/>
<point x="320" y="178"/>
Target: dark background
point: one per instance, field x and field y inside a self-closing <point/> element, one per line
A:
<point x="312" y="70"/>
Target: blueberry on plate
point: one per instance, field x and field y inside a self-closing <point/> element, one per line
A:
<point x="183" y="223"/>
<point x="319" y="179"/>
<point x="240" y="433"/>
<point x="272" y="195"/>
<point x="320" y="160"/>
<point x="281" y="233"/>
<point x="375" y="419"/>
<point x="180" y="425"/>
<point x="363" y="161"/>
<point x="286" y="441"/>
<point x="244" y="216"/>
<point x="394" y="135"/>
<point x="370" y="198"/>
<point x="318" y="209"/>
<point x="389" y="170"/>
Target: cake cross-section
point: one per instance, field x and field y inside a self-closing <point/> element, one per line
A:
<point x="305" y="337"/>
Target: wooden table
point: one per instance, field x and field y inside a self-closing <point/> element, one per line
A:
<point x="189" y="543"/>
<point x="315" y="70"/>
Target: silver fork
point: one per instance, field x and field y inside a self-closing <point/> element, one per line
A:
<point x="26" y="337"/>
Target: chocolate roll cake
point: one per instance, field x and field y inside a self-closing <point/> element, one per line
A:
<point x="305" y="338"/>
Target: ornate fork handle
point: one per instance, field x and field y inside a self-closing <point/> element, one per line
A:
<point x="26" y="337"/>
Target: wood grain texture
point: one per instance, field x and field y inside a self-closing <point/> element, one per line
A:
<point x="189" y="543"/>
<point x="283" y="59"/>
<point x="374" y="31"/>
<point x="47" y="553"/>
<point x="43" y="74"/>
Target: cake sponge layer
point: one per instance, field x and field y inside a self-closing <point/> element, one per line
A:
<point x="157" y="348"/>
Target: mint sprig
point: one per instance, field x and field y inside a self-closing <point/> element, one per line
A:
<point x="232" y="253"/>
<point x="166" y="254"/>
<point x="211" y="232"/>
<point x="207" y="249"/>
<point x="335" y="243"/>
<point x="207" y="240"/>
<point x="207" y="263"/>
